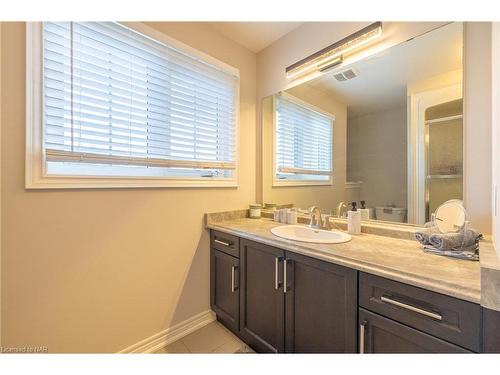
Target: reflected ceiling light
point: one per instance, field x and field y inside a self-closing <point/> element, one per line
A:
<point x="332" y="55"/>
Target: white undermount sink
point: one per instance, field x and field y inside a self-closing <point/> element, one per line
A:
<point x="307" y="234"/>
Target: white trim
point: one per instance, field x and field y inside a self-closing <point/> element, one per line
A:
<point x="304" y="171"/>
<point x="444" y="119"/>
<point x="88" y="157"/>
<point x="495" y="138"/>
<point x="170" y="335"/>
<point x="416" y="166"/>
<point x="35" y="166"/>
<point x="284" y="183"/>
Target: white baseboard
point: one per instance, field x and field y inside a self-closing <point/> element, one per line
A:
<point x="174" y="333"/>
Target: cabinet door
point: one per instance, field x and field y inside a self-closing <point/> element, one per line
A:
<point x="321" y="306"/>
<point x="381" y="335"/>
<point x="262" y="300"/>
<point x="224" y="288"/>
<point x="491" y="332"/>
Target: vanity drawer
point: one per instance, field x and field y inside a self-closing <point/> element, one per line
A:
<point x="227" y="243"/>
<point x="448" y="318"/>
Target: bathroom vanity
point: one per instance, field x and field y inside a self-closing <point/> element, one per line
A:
<point x="360" y="133"/>
<point x="373" y="294"/>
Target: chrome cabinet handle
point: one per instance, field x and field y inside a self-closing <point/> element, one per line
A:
<point x="222" y="243"/>
<point x="412" y="308"/>
<point x="284" y="276"/>
<point x="233" y="286"/>
<point x="362" y="338"/>
<point x="276" y="273"/>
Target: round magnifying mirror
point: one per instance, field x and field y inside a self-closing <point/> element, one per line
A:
<point x="450" y="216"/>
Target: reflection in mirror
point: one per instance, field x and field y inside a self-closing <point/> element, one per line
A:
<point x="386" y="130"/>
<point x="450" y="217"/>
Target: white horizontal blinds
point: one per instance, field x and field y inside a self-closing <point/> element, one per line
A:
<point x="114" y="96"/>
<point x="303" y="140"/>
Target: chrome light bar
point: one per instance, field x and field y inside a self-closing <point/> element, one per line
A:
<point x="332" y="55"/>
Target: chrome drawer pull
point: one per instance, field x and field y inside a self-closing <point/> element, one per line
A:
<point x="222" y="243"/>
<point x="233" y="287"/>
<point x="412" y="308"/>
<point x="284" y="276"/>
<point x="276" y="271"/>
<point x="362" y="338"/>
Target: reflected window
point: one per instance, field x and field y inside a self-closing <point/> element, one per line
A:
<point x="303" y="143"/>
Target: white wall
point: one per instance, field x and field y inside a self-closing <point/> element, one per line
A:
<point x="477" y="124"/>
<point x="495" y="58"/>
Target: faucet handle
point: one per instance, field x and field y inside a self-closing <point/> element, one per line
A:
<point x="326" y="222"/>
<point x="316" y="221"/>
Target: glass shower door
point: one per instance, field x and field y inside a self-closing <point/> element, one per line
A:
<point x="444" y="154"/>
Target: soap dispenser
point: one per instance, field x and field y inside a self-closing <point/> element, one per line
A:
<point x="354" y="220"/>
<point x="365" y="212"/>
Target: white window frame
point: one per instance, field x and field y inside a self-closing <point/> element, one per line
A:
<point x="312" y="182"/>
<point x="36" y="176"/>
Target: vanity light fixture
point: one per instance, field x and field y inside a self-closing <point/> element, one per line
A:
<point x="332" y="55"/>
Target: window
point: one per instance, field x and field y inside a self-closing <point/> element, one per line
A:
<point x="303" y="143"/>
<point x="117" y="105"/>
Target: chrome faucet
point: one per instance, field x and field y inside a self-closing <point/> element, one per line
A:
<point x="316" y="220"/>
<point x="339" y="209"/>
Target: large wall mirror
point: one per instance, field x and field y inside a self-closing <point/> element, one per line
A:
<point x="386" y="130"/>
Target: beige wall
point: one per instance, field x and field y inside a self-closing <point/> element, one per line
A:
<point x="477" y="124"/>
<point x="326" y="197"/>
<point x="377" y="156"/>
<point x="99" y="270"/>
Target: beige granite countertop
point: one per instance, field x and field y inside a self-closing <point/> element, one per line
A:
<point x="394" y="258"/>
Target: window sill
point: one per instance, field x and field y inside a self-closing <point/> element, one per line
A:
<point x="122" y="183"/>
<point x="279" y="183"/>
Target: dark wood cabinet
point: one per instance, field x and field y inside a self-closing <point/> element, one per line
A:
<point x="448" y="318"/>
<point x="224" y="288"/>
<point x="279" y="301"/>
<point x="315" y="314"/>
<point x="321" y="306"/>
<point x="491" y="331"/>
<point x="382" y="335"/>
<point x="262" y="301"/>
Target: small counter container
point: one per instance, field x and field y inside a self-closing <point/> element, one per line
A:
<point x="270" y="206"/>
<point x="254" y="211"/>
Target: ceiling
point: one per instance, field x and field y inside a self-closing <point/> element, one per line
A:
<point x="254" y="36"/>
<point x="383" y="78"/>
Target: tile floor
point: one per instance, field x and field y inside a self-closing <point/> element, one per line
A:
<point x="213" y="338"/>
